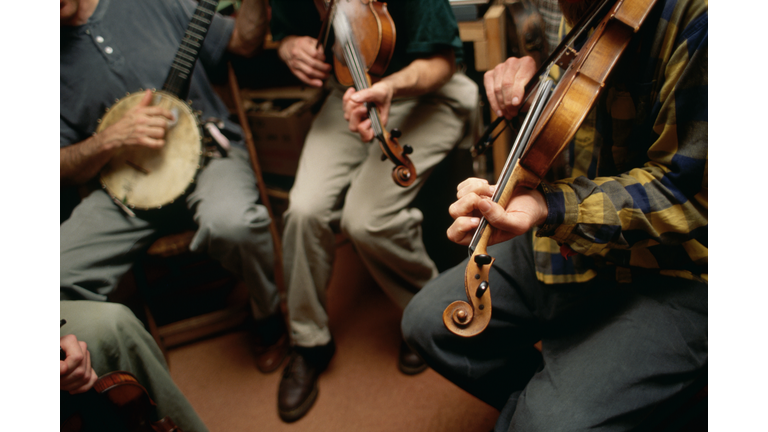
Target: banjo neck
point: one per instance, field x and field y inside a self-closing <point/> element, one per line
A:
<point x="179" y="77"/>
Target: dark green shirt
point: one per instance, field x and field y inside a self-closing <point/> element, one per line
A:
<point x="424" y="27"/>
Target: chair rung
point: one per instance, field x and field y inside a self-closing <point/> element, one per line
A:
<point x="201" y="326"/>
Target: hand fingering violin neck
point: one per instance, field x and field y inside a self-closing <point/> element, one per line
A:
<point x="365" y="42"/>
<point x="554" y="126"/>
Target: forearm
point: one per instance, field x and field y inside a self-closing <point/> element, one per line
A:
<point x="664" y="201"/>
<point x="250" y="28"/>
<point x="82" y="161"/>
<point x="423" y="75"/>
<point x="635" y="210"/>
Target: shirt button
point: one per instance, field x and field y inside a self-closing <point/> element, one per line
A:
<point x="99" y="39"/>
<point x="108" y="50"/>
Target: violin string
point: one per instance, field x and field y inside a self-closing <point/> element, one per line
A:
<point x="355" y="65"/>
<point x="585" y="23"/>
<point x="543" y="93"/>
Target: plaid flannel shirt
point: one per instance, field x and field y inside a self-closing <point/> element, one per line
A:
<point x="636" y="196"/>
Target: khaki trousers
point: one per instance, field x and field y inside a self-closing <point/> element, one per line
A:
<point x="339" y="175"/>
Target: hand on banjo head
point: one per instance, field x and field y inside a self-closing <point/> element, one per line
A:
<point x="526" y="209"/>
<point x="505" y="85"/>
<point x="142" y="125"/>
<point x="356" y="111"/>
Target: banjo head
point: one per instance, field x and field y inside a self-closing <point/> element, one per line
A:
<point x="145" y="178"/>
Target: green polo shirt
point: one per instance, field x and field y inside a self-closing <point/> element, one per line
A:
<point x="424" y="27"/>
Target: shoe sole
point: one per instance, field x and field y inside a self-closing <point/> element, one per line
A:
<point x="411" y="370"/>
<point x="289" y="416"/>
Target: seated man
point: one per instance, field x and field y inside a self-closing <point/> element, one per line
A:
<point x="419" y="94"/>
<point x="623" y="321"/>
<point x="110" y="48"/>
<point x="104" y="337"/>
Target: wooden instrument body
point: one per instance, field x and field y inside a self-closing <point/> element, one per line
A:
<point x="580" y="86"/>
<point x="365" y="43"/>
<point x="117" y="401"/>
<point x="571" y="101"/>
<point x="375" y="34"/>
<point x="145" y="178"/>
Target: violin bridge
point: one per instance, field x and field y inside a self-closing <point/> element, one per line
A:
<point x="566" y="57"/>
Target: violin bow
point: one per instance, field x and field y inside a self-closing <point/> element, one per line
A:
<point x="325" y="29"/>
<point x="561" y="56"/>
<point x="554" y="116"/>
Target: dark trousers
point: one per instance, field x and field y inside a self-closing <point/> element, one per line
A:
<point x="611" y="353"/>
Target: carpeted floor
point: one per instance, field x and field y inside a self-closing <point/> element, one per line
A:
<point x="362" y="390"/>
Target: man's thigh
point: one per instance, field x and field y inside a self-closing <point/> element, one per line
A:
<point x="98" y="244"/>
<point x="607" y="366"/>
<point x="226" y="188"/>
<point x="500" y="360"/>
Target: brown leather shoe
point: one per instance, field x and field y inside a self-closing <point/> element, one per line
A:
<point x="409" y="362"/>
<point x="270" y="342"/>
<point x="298" y="386"/>
<point x="269" y="359"/>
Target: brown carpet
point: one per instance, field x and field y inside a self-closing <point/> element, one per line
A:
<point x="361" y="391"/>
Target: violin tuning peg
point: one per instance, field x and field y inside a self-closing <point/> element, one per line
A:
<point x="482" y="259"/>
<point x="407" y="149"/>
<point x="383" y="157"/>
<point x="481" y="289"/>
<point x="395" y="133"/>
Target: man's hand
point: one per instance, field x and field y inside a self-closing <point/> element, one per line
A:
<point x="143" y="125"/>
<point x="76" y="373"/>
<point x="356" y="113"/>
<point x="305" y="59"/>
<point x="505" y="85"/>
<point x="526" y="209"/>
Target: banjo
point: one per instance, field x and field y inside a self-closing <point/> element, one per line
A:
<point x="143" y="178"/>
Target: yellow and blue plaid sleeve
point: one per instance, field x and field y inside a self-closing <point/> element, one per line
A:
<point x="638" y="197"/>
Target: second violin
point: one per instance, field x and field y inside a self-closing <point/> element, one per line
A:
<point x="365" y="41"/>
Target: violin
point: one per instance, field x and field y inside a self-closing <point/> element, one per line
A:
<point x="555" y="114"/>
<point x="365" y="41"/>
<point x="120" y="399"/>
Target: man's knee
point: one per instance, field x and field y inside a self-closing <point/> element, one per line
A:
<point x="233" y="227"/>
<point x="369" y="228"/>
<point x="310" y="213"/>
<point x="102" y="325"/>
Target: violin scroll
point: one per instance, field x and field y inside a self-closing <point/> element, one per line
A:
<point x="461" y="317"/>
<point x="404" y="173"/>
